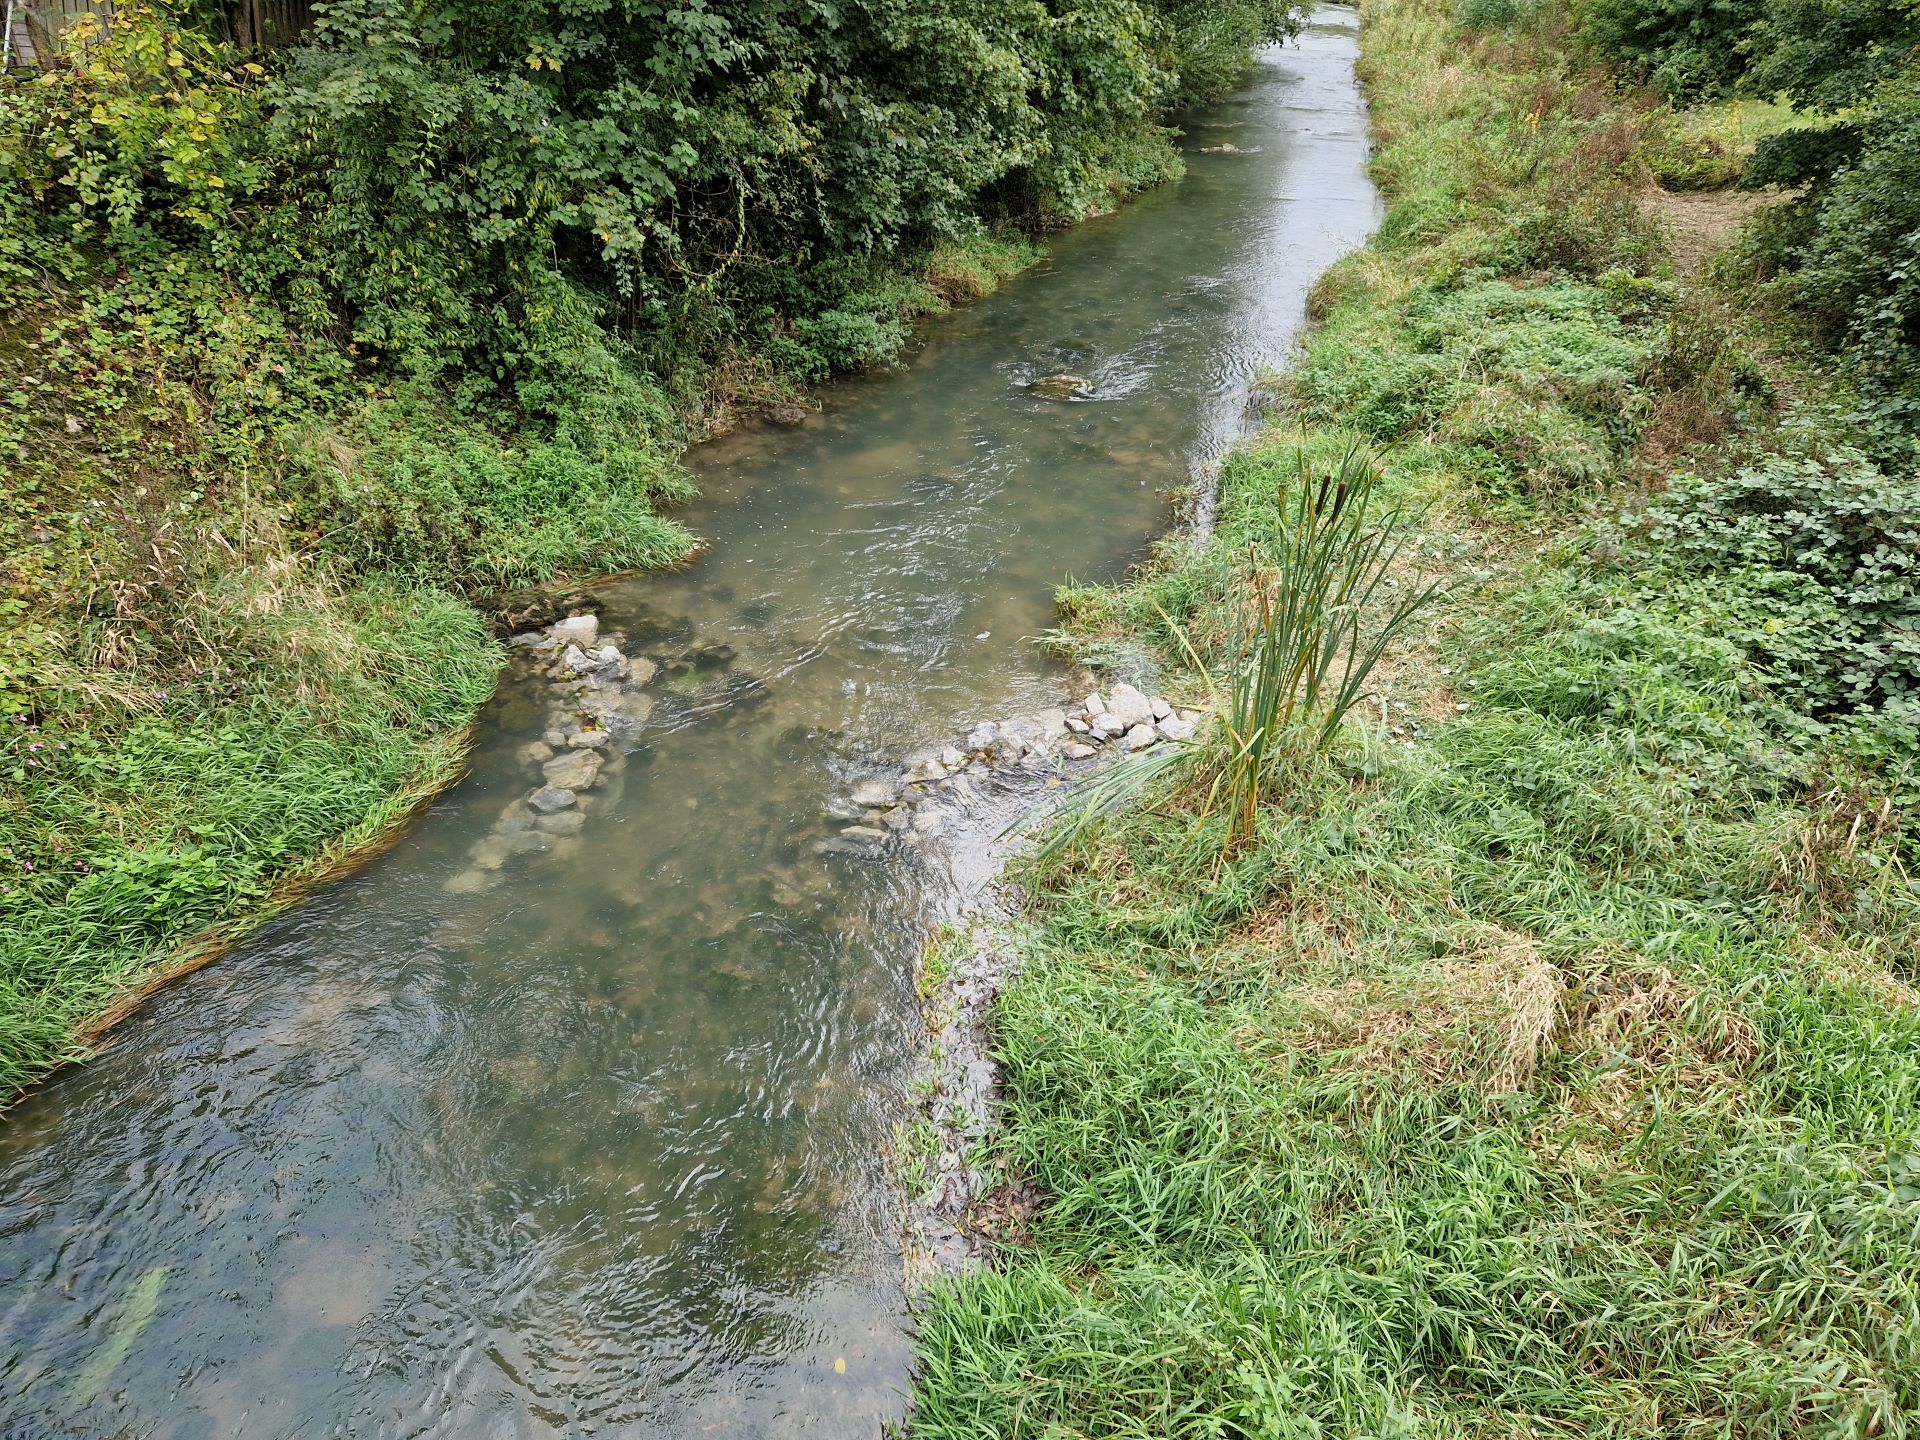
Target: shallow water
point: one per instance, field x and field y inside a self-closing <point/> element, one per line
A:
<point x="599" y="1150"/>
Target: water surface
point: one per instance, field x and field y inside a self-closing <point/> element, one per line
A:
<point x="593" y="1143"/>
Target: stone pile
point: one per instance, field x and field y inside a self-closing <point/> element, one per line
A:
<point x="1121" y="720"/>
<point x="594" y="696"/>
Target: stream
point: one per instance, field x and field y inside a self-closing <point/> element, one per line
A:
<point x="596" y="1142"/>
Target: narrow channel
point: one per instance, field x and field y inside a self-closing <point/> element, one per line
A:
<point x="594" y="1144"/>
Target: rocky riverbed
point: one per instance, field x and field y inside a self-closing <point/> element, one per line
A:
<point x="959" y="1210"/>
<point x="595" y="695"/>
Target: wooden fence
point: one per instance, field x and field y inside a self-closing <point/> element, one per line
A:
<point x="33" y="27"/>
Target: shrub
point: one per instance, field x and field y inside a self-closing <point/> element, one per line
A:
<point x="1813" y="567"/>
<point x="1683" y="48"/>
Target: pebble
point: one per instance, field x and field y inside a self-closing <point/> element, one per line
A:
<point x="549" y="798"/>
<point x="1139" y="738"/>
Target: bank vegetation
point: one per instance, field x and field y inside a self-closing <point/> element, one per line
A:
<point x="1536" y="1051"/>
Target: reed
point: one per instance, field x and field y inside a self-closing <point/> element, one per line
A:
<point x="1322" y="604"/>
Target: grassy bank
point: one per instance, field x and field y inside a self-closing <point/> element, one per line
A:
<point x="1544" y="1057"/>
<point x="317" y="354"/>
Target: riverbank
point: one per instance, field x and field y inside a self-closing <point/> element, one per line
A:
<point x="1544" y="1057"/>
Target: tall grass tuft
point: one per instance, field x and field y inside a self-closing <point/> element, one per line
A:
<point x="1322" y="606"/>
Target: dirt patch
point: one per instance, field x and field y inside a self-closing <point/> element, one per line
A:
<point x="1701" y="223"/>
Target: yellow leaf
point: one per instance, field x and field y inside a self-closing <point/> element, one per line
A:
<point x="839" y="1364"/>
<point x="216" y="182"/>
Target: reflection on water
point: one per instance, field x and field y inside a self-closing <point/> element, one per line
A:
<point x="597" y="1149"/>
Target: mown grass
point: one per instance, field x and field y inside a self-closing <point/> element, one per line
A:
<point x="1556" y="1073"/>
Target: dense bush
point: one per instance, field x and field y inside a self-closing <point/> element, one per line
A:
<point x="1813" y="567"/>
<point x="1683" y="48"/>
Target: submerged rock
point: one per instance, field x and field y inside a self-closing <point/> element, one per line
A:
<point x="575" y="770"/>
<point x="872" y="794"/>
<point x="1061" y="386"/>
<point x="549" y="798"/>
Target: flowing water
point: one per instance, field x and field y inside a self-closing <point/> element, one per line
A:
<point x="599" y="1149"/>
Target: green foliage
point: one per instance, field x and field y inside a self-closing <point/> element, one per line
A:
<point x="1849" y="243"/>
<point x="1532" y="384"/>
<point x="1322" y="606"/>
<point x="1683" y="48"/>
<point x="1828" y="55"/>
<point x="1556" y="1072"/>
<point x="1853" y="250"/>
<point x="433" y="302"/>
<point x="125" y="833"/>
<point x="1813" y="568"/>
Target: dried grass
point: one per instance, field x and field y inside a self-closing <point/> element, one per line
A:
<point x="1485" y="1020"/>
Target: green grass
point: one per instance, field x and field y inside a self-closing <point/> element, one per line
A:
<point x="131" y="828"/>
<point x="1557" y="1073"/>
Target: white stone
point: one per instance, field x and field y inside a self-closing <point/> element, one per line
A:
<point x="1077" y="725"/>
<point x="1129" y="706"/>
<point x="1138" y="738"/>
<point x="875" y="793"/>
<point x="983" y="735"/>
<point x="1007" y="748"/>
<point x="1109" y="727"/>
<point x="1078" y="751"/>
<point x="1174" y="728"/>
<point x="576" y="630"/>
<point x="1161" y="709"/>
<point x="1095" y="705"/>
<point x="953" y="757"/>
